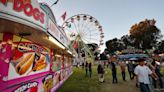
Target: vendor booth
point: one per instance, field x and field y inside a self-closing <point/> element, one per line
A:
<point x="34" y="53"/>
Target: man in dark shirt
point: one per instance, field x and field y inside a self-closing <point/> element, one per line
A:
<point x="157" y="71"/>
<point x="86" y="69"/>
<point x="90" y="69"/>
<point x="114" y="72"/>
<point x="131" y="69"/>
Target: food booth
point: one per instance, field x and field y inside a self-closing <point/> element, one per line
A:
<point x="34" y="53"/>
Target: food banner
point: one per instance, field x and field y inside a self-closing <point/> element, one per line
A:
<point x="20" y="59"/>
<point x="41" y="84"/>
<point x="47" y="83"/>
<point x="25" y="66"/>
<point x="56" y="64"/>
<point x="28" y="59"/>
<point x="28" y="87"/>
<point x="61" y="77"/>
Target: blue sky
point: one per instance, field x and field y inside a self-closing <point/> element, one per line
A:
<point x="115" y="16"/>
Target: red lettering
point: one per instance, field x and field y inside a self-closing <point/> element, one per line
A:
<point x="36" y="13"/>
<point x="42" y="17"/>
<point x="3" y="1"/>
<point x="18" y="5"/>
<point x="28" y="9"/>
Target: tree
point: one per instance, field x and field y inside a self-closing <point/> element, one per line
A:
<point x="106" y="51"/>
<point x="114" y="45"/>
<point x="103" y="56"/>
<point x="94" y="48"/>
<point x="127" y="40"/>
<point x="145" y="34"/>
<point x="161" y="46"/>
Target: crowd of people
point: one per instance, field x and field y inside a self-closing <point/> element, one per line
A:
<point x="146" y="74"/>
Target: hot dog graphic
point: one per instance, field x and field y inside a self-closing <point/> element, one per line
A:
<point x="39" y="64"/>
<point x="25" y="64"/>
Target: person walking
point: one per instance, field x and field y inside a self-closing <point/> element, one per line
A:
<point x="82" y="65"/>
<point x="114" y="72"/>
<point x="86" y="69"/>
<point x="90" y="69"/>
<point x="152" y="68"/>
<point x="157" y="71"/>
<point x="142" y="73"/>
<point x="100" y="71"/>
<point x="131" y="69"/>
<point x="123" y="68"/>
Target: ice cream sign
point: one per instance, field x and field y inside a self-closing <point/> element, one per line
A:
<point x="28" y="10"/>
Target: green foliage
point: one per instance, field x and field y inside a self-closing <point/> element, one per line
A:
<point x="161" y="46"/>
<point x="93" y="46"/>
<point x="114" y="45"/>
<point x="103" y="56"/>
<point x="145" y="34"/>
<point x="127" y="40"/>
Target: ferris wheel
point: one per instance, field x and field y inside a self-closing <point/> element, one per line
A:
<point x="84" y="29"/>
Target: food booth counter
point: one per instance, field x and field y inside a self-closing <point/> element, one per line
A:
<point x="30" y="59"/>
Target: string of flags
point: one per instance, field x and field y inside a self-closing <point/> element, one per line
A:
<point x="72" y="34"/>
<point x="55" y="3"/>
<point x="68" y="25"/>
<point x="64" y="16"/>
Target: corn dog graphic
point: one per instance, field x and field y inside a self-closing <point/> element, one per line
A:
<point x="39" y="65"/>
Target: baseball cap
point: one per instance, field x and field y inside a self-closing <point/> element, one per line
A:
<point x="141" y="60"/>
